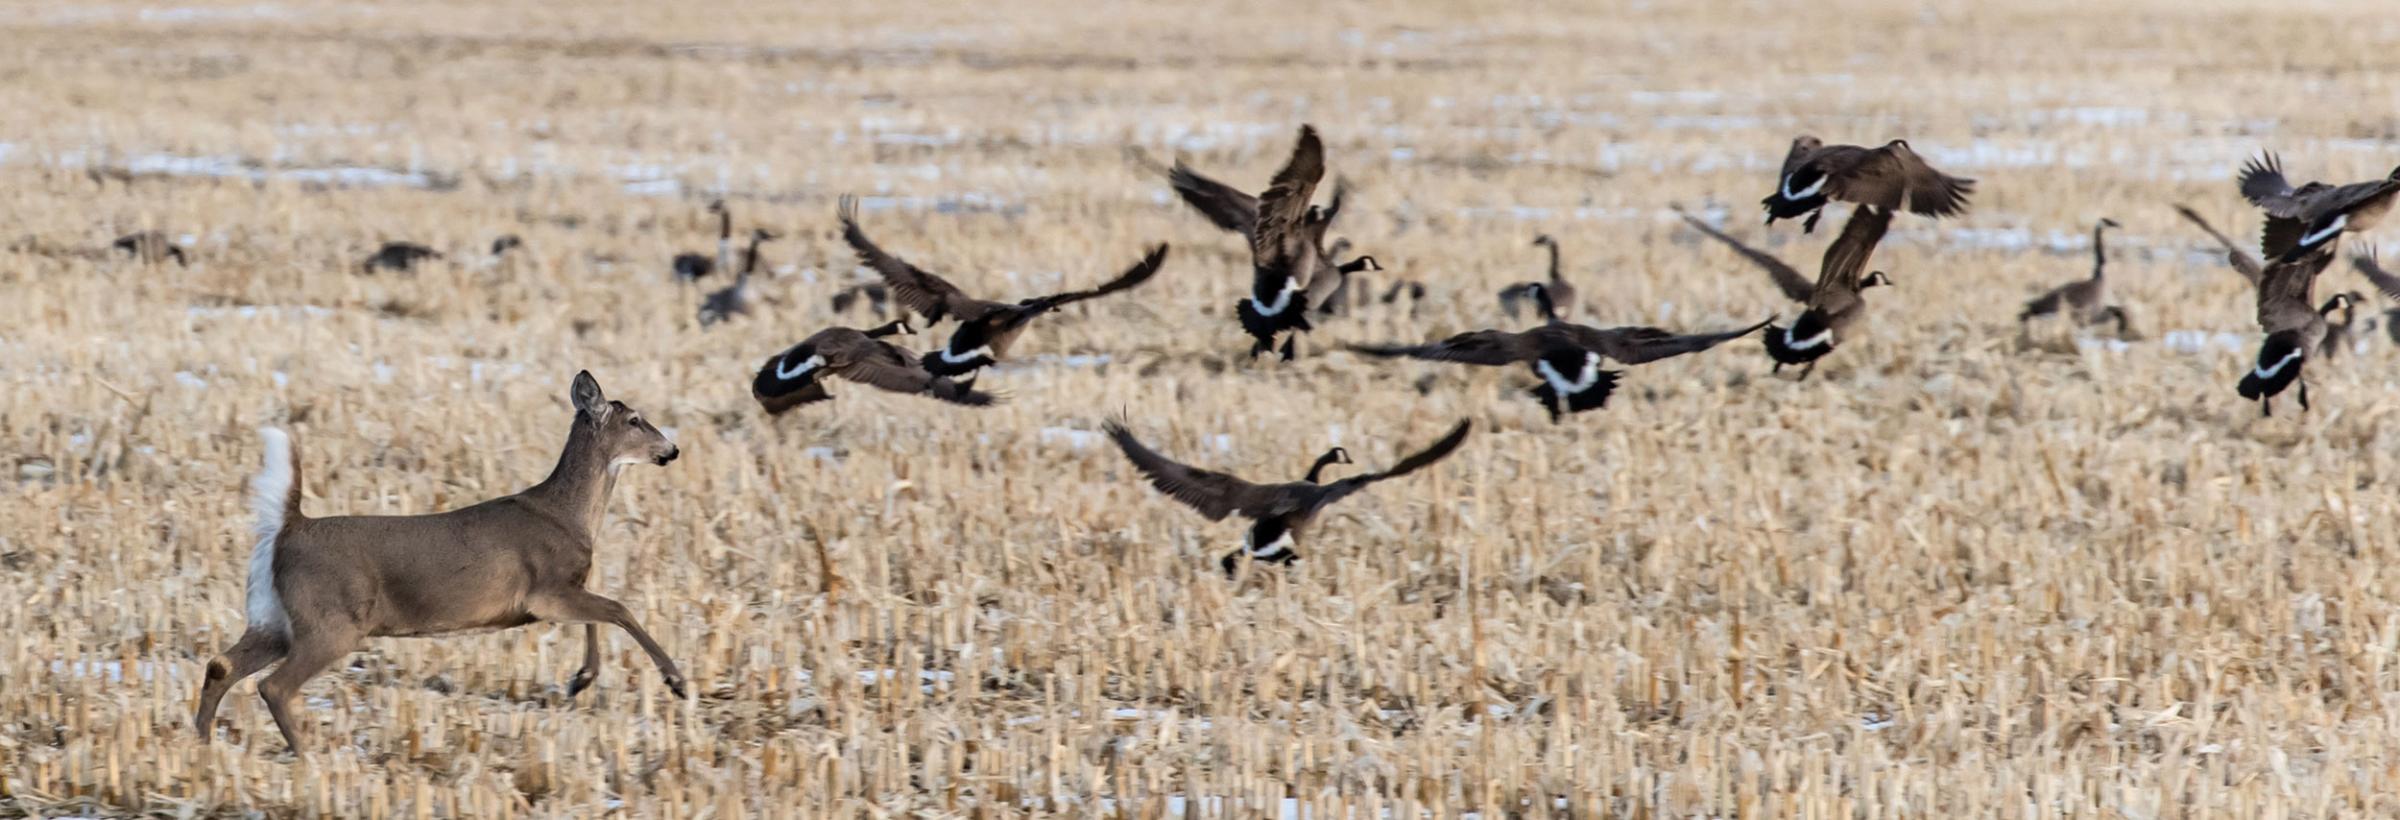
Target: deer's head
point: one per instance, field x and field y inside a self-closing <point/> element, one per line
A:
<point x="619" y="432"/>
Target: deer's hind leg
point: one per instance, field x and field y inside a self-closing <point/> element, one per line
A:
<point x="314" y="648"/>
<point x="255" y="651"/>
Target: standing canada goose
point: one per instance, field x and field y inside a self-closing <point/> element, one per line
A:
<point x="2294" y="327"/>
<point x="1289" y="256"/>
<point x="152" y="247"/>
<point x="2241" y="260"/>
<point x="2303" y="219"/>
<point x="735" y="299"/>
<point x="692" y="266"/>
<point x="1278" y="513"/>
<point x="398" y="256"/>
<point x="1565" y="356"/>
<point x="2082" y="300"/>
<point x="1562" y="294"/>
<point x="985" y="329"/>
<point x="1834" y="302"/>
<point x="796" y="376"/>
<point x="1890" y="178"/>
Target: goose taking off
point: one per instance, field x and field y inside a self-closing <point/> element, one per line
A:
<point x="796" y="376"/>
<point x="2301" y="220"/>
<point x="986" y="329"/>
<point x="1834" y="301"/>
<point x="1890" y="178"/>
<point x="1279" y="513"/>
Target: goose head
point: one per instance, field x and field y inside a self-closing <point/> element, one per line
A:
<point x="1874" y="279"/>
<point x="2106" y="222"/>
<point x="1545" y="240"/>
<point x="898" y="327"/>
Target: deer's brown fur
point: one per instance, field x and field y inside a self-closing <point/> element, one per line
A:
<point x="320" y="586"/>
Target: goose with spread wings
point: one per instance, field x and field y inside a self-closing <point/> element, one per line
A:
<point x="2294" y="326"/>
<point x="2301" y="220"/>
<point x="796" y="376"/>
<point x="1293" y="270"/>
<point x="1565" y="356"/>
<point x="1890" y="178"/>
<point x="1834" y="301"/>
<point x="986" y="329"/>
<point x="1279" y="513"/>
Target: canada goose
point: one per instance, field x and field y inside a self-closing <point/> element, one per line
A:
<point x="1562" y="294"/>
<point x="1834" y="302"/>
<point x="2294" y="327"/>
<point x="1890" y="178"/>
<point x="2082" y="300"/>
<point x="735" y="299"/>
<point x="2303" y="219"/>
<point x="152" y="247"/>
<point x="1289" y="256"/>
<point x="985" y="329"/>
<point x="398" y="256"/>
<point x="2385" y="282"/>
<point x="2241" y="260"/>
<point x="1565" y="356"/>
<point x="796" y="376"/>
<point x="1278" y="513"/>
<point x="691" y="266"/>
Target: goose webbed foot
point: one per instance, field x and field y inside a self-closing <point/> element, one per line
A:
<point x="1810" y="226"/>
<point x="2304" y="396"/>
<point x="1287" y="347"/>
<point x="2266" y="408"/>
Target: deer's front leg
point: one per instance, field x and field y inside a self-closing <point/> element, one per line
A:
<point x="580" y="606"/>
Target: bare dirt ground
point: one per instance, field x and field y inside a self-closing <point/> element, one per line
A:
<point x="1959" y="572"/>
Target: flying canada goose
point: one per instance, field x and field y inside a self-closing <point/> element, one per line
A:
<point x="2082" y="300"/>
<point x="1355" y="290"/>
<point x="1890" y="178"/>
<point x="1834" y="302"/>
<point x="1289" y="255"/>
<point x="1562" y="294"/>
<point x="797" y="375"/>
<point x="1565" y="356"/>
<point x="398" y="256"/>
<point x="2294" y="327"/>
<point x="735" y="299"/>
<point x="692" y="266"/>
<point x="2241" y="260"/>
<point x="1278" y="513"/>
<point x="985" y="329"/>
<point x="152" y="247"/>
<point x="2303" y="219"/>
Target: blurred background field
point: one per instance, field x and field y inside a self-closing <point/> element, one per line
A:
<point x="1961" y="571"/>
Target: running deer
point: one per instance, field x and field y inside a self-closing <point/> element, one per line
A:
<point x="320" y="586"/>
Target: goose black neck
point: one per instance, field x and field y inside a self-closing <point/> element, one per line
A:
<point x="2099" y="251"/>
<point x="1553" y="245"/>
<point x="724" y="224"/>
<point x="1316" y="471"/>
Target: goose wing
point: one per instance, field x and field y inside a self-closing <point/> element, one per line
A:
<point x="2263" y="183"/>
<point x="1140" y="272"/>
<point x="1787" y="278"/>
<point x="929" y="295"/>
<point x="1423" y="458"/>
<point x="1224" y="206"/>
<point x="1281" y="230"/>
<point x="2243" y="263"/>
<point x="1212" y="493"/>
<point x="1847" y="257"/>
<point x="1894" y="177"/>
<point x="2385" y="281"/>
<point x="1480" y="347"/>
<point x="1636" y="345"/>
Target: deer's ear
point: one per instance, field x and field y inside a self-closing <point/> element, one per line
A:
<point x="587" y="395"/>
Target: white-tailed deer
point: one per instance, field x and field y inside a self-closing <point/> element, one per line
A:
<point x="320" y="586"/>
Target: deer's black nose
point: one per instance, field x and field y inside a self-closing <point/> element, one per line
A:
<point x="672" y="452"/>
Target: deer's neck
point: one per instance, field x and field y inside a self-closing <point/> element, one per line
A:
<point x="578" y="488"/>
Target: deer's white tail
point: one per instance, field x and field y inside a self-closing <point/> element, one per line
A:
<point x="272" y="494"/>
